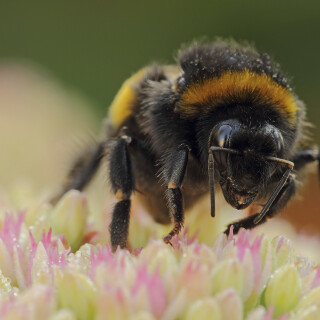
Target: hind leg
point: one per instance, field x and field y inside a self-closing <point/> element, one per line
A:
<point x="82" y="171"/>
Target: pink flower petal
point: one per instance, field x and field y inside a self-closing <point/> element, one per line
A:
<point x="316" y="280"/>
<point x="155" y="288"/>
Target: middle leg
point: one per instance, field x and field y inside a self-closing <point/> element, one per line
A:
<point x="123" y="184"/>
<point x="173" y="171"/>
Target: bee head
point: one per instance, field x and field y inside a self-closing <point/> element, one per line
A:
<point x="240" y="154"/>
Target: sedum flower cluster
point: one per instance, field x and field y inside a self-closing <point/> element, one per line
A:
<point x="51" y="268"/>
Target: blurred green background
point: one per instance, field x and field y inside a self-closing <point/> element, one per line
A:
<point x="93" y="46"/>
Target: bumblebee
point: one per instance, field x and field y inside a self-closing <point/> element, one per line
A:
<point x="224" y="117"/>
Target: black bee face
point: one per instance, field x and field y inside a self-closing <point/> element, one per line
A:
<point x="243" y="171"/>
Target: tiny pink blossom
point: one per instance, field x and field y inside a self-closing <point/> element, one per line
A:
<point x="280" y="243"/>
<point x="11" y="230"/>
<point x="269" y="315"/>
<point x="184" y="239"/>
<point x="155" y="289"/>
<point x="316" y="280"/>
<point x="243" y="244"/>
<point x="51" y="248"/>
<point x="114" y="262"/>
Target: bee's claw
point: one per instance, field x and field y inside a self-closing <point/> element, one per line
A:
<point x="167" y="239"/>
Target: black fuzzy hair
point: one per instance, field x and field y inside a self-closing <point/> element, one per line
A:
<point x="204" y="61"/>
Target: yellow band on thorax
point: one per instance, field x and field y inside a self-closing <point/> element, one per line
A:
<point x="239" y="84"/>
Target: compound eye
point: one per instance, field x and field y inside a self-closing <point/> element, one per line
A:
<point x="181" y="83"/>
<point x="223" y="136"/>
<point x="278" y="140"/>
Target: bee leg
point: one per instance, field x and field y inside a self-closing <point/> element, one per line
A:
<point x="123" y="184"/>
<point x="174" y="170"/>
<point x="302" y="158"/>
<point x="280" y="202"/>
<point x="82" y="171"/>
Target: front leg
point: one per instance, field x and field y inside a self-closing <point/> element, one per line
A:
<point x="173" y="171"/>
<point x="287" y="192"/>
<point x="301" y="159"/>
<point x="304" y="157"/>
